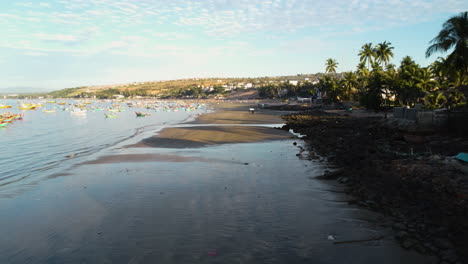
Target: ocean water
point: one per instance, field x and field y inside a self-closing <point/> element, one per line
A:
<point x="46" y="143"/>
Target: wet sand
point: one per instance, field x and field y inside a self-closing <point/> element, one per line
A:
<point x="195" y="211"/>
<point x="200" y="136"/>
<point x="237" y="113"/>
<point x="233" y="114"/>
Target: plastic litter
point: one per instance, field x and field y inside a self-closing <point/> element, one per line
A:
<point x="331" y="237"/>
<point x="462" y="156"/>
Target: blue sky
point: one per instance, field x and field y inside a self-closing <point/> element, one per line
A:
<point x="55" y="44"/>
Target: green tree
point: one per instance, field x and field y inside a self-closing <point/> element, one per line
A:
<point x="367" y="54"/>
<point x="384" y="52"/>
<point x="349" y="82"/>
<point x="329" y="85"/>
<point x="331" y="65"/>
<point x="408" y="91"/>
<point x="454" y="34"/>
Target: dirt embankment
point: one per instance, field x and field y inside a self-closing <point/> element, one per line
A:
<point x="406" y="175"/>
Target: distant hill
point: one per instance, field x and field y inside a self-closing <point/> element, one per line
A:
<point x="193" y="88"/>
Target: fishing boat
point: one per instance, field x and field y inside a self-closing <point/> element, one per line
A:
<point x="27" y="107"/>
<point x="140" y="114"/>
<point x="78" y="112"/>
<point x="48" y="111"/>
<point x="3" y="124"/>
<point x="62" y="103"/>
<point x="5" y="106"/>
<point x="114" y="110"/>
<point x="110" y="116"/>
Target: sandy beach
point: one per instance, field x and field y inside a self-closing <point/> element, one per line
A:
<point x="227" y="124"/>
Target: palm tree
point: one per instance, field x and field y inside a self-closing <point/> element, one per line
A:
<point x="350" y="82"/>
<point x="384" y="52"/>
<point x="454" y="34"/>
<point x="331" y="65"/>
<point x="439" y="69"/>
<point x="425" y="80"/>
<point x="366" y="54"/>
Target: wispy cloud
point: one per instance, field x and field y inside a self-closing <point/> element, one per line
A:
<point x="191" y="32"/>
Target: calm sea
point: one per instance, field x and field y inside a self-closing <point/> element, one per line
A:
<point x="46" y="143"/>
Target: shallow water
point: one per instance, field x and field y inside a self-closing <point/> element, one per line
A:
<point x="46" y="143"/>
<point x="238" y="203"/>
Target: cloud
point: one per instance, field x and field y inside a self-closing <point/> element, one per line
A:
<point x="56" y="37"/>
<point x="35" y="53"/>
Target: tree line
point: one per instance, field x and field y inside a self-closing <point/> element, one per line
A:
<point x="377" y="83"/>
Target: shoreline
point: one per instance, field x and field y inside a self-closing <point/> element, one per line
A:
<point x="393" y="171"/>
<point x="229" y="123"/>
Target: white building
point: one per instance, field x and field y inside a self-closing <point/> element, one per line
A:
<point x="293" y="82"/>
<point x="248" y="85"/>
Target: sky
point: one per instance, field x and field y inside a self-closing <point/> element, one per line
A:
<point x="49" y="45"/>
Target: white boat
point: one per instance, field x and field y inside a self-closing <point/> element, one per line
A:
<point x="78" y="112"/>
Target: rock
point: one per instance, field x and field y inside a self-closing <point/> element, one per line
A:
<point x="449" y="256"/>
<point x="442" y="243"/>
<point x="294" y="143"/>
<point x="415" y="139"/>
<point x="331" y="175"/>
<point x="344" y="180"/>
<point x="407" y="244"/>
<point x="399" y="226"/>
<point x="420" y="248"/>
<point x="246" y="163"/>
<point x="401" y="235"/>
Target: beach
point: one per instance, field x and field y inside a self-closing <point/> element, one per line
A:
<point x="225" y="188"/>
<point x="229" y="123"/>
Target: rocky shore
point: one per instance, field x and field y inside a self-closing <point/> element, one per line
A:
<point x="406" y="173"/>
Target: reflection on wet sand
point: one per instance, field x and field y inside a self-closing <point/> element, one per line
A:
<point x="200" y="136"/>
<point x="151" y="157"/>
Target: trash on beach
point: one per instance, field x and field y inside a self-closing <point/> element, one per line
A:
<point x="212" y="253"/>
<point x="462" y="156"/>
<point x="331" y="237"/>
<point x="296" y="134"/>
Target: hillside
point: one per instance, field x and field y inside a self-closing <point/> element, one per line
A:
<point x="193" y="88"/>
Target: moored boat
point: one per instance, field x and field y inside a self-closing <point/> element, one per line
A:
<point x="110" y="116"/>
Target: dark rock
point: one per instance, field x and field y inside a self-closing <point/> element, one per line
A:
<point x="331" y="175"/>
<point x="401" y="235"/>
<point x="443" y="243"/>
<point x="399" y="226"/>
<point x="449" y="255"/>
<point x="344" y="180"/>
<point x="407" y="244"/>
